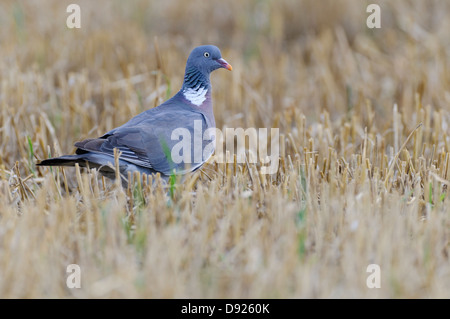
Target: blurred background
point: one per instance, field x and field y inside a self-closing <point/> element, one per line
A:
<point x="290" y="54"/>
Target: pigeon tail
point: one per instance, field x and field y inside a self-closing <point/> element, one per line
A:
<point x="102" y="162"/>
<point x="66" y="160"/>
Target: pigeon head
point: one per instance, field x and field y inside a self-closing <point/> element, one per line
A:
<point x="201" y="62"/>
<point x="206" y="58"/>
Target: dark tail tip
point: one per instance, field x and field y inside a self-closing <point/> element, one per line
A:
<point x="68" y="160"/>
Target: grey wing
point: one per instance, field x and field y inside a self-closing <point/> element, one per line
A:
<point x="157" y="142"/>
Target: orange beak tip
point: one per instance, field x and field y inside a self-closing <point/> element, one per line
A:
<point x="224" y="64"/>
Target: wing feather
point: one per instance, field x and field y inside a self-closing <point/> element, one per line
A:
<point x="142" y="141"/>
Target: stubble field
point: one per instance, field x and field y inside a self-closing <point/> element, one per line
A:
<point x="364" y="151"/>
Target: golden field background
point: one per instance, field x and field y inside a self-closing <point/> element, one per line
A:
<point x="360" y="181"/>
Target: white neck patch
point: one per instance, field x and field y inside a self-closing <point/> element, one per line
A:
<point x="196" y="96"/>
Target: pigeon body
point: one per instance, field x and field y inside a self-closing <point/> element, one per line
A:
<point x="149" y="140"/>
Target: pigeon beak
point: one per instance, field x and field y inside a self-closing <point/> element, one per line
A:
<point x="224" y="64"/>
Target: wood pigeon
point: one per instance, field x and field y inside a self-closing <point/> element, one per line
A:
<point x="174" y="137"/>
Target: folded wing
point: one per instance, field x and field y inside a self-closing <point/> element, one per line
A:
<point x="147" y="139"/>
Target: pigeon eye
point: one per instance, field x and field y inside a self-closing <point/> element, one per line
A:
<point x="206" y="54"/>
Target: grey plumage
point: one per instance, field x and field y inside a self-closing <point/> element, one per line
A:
<point x="145" y="141"/>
